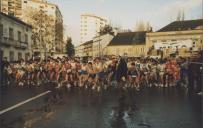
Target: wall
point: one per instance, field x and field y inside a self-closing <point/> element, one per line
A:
<point x="191" y="39"/>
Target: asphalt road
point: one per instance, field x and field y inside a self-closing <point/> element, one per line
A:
<point x="111" y="108"/>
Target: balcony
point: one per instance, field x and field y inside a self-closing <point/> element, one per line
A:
<point x="23" y="45"/>
<point x="16" y="44"/>
<point x="4" y="41"/>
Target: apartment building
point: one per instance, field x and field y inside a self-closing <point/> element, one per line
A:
<point x="11" y="7"/>
<point x="90" y="26"/>
<point x="52" y="10"/>
<point x="15" y="38"/>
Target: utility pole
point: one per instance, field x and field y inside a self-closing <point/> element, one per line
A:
<point x="202" y="9"/>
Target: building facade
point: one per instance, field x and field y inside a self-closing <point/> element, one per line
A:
<point x="90" y="26"/>
<point x="79" y="51"/>
<point x="15" y="38"/>
<point x="52" y="10"/>
<point x="88" y="49"/>
<point x="183" y="38"/>
<point x="11" y="7"/>
<point x="131" y="44"/>
<point x="21" y="9"/>
<point x="100" y="45"/>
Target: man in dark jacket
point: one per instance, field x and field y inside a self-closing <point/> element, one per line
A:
<point x="122" y="70"/>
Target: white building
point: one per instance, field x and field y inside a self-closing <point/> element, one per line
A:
<point x="100" y="44"/>
<point x="51" y="10"/>
<point x="15" y="38"/>
<point x="90" y="26"/>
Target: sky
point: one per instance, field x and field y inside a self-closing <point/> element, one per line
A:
<point x="126" y="13"/>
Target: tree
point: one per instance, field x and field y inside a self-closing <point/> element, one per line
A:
<point x="142" y="26"/>
<point x="70" y="49"/>
<point x="180" y="16"/>
<point x="59" y="36"/>
<point x="43" y="28"/>
<point x="183" y="16"/>
<point x="107" y="29"/>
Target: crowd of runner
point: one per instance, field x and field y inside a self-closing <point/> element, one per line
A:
<point x="99" y="72"/>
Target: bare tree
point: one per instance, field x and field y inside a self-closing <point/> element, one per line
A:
<point x="183" y="16"/>
<point x="178" y="18"/>
<point x="180" y="15"/>
<point x="142" y="26"/>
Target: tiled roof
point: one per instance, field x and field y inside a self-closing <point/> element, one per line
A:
<point x="182" y="25"/>
<point x="129" y="38"/>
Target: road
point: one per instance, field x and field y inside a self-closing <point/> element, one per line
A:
<point x="111" y="108"/>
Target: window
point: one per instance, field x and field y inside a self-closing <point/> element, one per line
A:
<point x="11" y="33"/>
<point x="154" y="41"/>
<point x="1" y="30"/>
<point x="19" y="36"/>
<point x="1" y="54"/>
<point x="19" y="56"/>
<point x="11" y="56"/>
<point x="27" y="56"/>
<point x="26" y="38"/>
<point x="11" y="13"/>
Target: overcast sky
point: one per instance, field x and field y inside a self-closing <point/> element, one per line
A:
<point x="126" y="12"/>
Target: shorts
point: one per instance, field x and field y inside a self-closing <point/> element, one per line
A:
<point x="92" y="76"/>
<point x="161" y="73"/>
<point x="100" y="75"/>
<point x="82" y="72"/>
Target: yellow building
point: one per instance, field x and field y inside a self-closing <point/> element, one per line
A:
<point x="183" y="38"/>
<point x="11" y="7"/>
<point x="131" y="44"/>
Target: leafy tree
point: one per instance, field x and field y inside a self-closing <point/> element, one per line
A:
<point x="43" y="28"/>
<point x="107" y="29"/>
<point x="59" y="36"/>
<point x="70" y="49"/>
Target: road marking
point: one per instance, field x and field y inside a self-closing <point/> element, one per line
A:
<point x="23" y="102"/>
